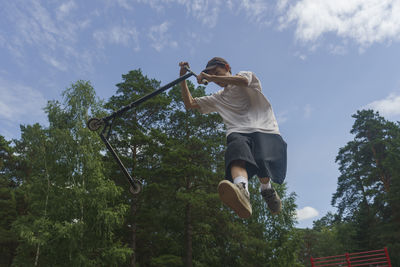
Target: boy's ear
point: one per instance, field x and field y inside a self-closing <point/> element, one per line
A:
<point x="228" y="68"/>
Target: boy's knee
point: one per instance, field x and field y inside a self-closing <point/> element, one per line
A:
<point x="238" y="163"/>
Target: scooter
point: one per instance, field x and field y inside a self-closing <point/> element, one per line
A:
<point x="107" y="122"/>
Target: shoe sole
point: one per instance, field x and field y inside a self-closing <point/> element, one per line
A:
<point x="276" y="212"/>
<point x="230" y="197"/>
<point x="279" y="209"/>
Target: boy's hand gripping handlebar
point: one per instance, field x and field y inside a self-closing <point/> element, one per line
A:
<point x="204" y="81"/>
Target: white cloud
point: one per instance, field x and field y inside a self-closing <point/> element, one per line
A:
<point x="160" y="38"/>
<point x="255" y="9"/>
<point x="54" y="62"/>
<point x="64" y="9"/>
<point x="338" y="49"/>
<point x="300" y="55"/>
<point x="53" y="33"/>
<point x="282" y="117"/>
<point x="306" y="213"/>
<point x="365" y="21"/>
<point x="390" y="106"/>
<point x="282" y="4"/>
<point x="208" y="12"/>
<point x="202" y="11"/>
<point x="20" y="103"/>
<point x="2" y="40"/>
<point x="120" y="35"/>
<point x="307" y="111"/>
<point x="125" y="4"/>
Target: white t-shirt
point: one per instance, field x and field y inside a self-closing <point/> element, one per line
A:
<point x="244" y="109"/>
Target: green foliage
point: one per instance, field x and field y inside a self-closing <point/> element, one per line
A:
<point x="166" y="261"/>
<point x="367" y="198"/>
<point x="369" y="171"/>
<point x="68" y="204"/>
<point x="178" y="219"/>
<point x="72" y="208"/>
<point x="9" y="206"/>
<point x="324" y="239"/>
<point x="132" y="139"/>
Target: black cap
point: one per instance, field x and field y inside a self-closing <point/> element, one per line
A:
<point x="214" y="62"/>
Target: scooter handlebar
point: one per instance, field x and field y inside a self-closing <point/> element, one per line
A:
<point x="203" y="81"/>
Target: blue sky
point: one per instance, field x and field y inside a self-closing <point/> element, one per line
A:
<point x="318" y="61"/>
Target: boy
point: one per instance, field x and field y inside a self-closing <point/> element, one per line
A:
<point x="254" y="144"/>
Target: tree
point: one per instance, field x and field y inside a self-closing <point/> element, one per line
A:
<point x="131" y="138"/>
<point x="68" y="212"/>
<point x="193" y="155"/>
<point x="191" y="165"/>
<point x="366" y="197"/>
<point x="328" y="238"/>
<point x="72" y="210"/>
<point x="166" y="161"/>
<point x="10" y="201"/>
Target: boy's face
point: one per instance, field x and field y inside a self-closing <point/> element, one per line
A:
<point x="220" y="71"/>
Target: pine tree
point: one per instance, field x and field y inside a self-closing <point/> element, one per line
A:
<point x="194" y="151"/>
<point x="164" y="218"/>
<point x="367" y="196"/>
<point x="191" y="163"/>
<point x="131" y="138"/>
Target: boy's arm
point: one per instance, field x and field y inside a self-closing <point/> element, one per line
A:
<point x="188" y="100"/>
<point x="235" y="80"/>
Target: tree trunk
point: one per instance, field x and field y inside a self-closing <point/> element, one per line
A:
<point x="364" y="195"/>
<point x="188" y="236"/>
<point x="133" y="211"/>
<point x="385" y="180"/>
<point x="133" y="229"/>
<point x="188" y="260"/>
<point x="46" y="202"/>
<point x="37" y="255"/>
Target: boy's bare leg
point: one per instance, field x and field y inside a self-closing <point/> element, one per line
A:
<point x="238" y="169"/>
<point x="264" y="180"/>
<point x="239" y="173"/>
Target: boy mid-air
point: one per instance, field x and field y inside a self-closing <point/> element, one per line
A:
<point x="254" y="143"/>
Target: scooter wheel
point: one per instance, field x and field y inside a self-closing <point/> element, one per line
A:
<point x="136" y="190"/>
<point x="94" y="123"/>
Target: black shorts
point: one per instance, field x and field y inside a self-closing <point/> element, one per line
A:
<point x="264" y="154"/>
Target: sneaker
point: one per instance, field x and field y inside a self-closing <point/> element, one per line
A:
<point x="236" y="197"/>
<point x="273" y="201"/>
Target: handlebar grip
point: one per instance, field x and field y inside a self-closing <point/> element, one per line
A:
<point x="204" y="81"/>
